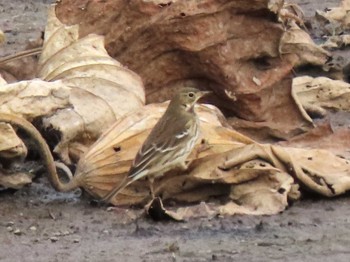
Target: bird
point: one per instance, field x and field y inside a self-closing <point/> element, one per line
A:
<point x="169" y="143"/>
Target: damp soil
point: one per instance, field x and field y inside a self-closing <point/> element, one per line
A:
<point x="38" y="224"/>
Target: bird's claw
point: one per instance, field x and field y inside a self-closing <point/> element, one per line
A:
<point x="98" y="203"/>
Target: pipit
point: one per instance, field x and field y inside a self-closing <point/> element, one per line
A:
<point x="169" y="143"/>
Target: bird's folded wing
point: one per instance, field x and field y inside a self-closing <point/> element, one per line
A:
<point x="156" y="150"/>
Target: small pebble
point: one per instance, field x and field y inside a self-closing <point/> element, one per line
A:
<point x="9" y="229"/>
<point x="54" y="239"/>
<point x="65" y="233"/>
<point x="32" y="228"/>
<point x="17" y="232"/>
<point x="76" y="240"/>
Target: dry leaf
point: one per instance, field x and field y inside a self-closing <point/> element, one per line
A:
<point x="296" y="41"/>
<point x="318" y="170"/>
<point x="210" y="44"/>
<point x="15" y="181"/>
<point x="34" y="98"/>
<point x="82" y="90"/>
<point x="325" y="137"/>
<point x="337" y="41"/>
<point x="268" y="188"/>
<point x="102" y="89"/>
<point x="315" y="95"/>
<point x="11" y="145"/>
<point x="336" y="17"/>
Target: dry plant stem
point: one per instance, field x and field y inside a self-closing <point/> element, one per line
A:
<point x="44" y="150"/>
<point x="19" y="55"/>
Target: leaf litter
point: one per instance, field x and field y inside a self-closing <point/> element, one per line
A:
<point x="249" y="177"/>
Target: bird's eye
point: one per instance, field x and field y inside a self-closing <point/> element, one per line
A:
<point x="191" y="94"/>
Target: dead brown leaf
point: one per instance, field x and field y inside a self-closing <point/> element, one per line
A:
<point x="336" y="16"/>
<point x="298" y="42"/>
<point x="318" y="170"/>
<point x="211" y="44"/>
<point x="325" y="137"/>
<point x="82" y="90"/>
<point x="10" y="144"/>
<point x="315" y="95"/>
<point x="15" y="180"/>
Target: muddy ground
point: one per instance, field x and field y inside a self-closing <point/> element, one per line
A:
<point x="37" y="224"/>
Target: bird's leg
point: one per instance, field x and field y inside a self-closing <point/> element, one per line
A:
<point x="150" y="181"/>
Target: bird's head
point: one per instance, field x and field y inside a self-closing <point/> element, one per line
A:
<point x="187" y="97"/>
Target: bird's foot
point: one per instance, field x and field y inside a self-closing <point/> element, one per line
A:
<point x="98" y="203"/>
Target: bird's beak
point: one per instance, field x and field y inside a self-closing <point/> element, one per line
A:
<point x="203" y="93"/>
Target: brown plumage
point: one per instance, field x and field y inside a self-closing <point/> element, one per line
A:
<point x="169" y="143"/>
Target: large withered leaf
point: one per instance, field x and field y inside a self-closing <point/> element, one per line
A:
<point x="86" y="88"/>
<point x="102" y="89"/>
<point x="210" y="43"/>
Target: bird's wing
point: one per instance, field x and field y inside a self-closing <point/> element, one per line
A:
<point x="168" y="135"/>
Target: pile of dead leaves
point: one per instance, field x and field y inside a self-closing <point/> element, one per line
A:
<point x="93" y="100"/>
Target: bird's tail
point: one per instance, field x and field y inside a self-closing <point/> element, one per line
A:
<point x="115" y="191"/>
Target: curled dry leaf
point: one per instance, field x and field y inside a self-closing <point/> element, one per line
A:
<point x="102" y="90"/>
<point x="335" y="140"/>
<point x="314" y="95"/>
<point x="318" y="170"/>
<point x="268" y="191"/>
<point x="210" y="43"/>
<point x="34" y="98"/>
<point x="11" y="145"/>
<point x="82" y="90"/>
<point x="336" y="16"/>
<point x="15" y="181"/>
<point x="337" y="41"/>
<point x="296" y="41"/>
